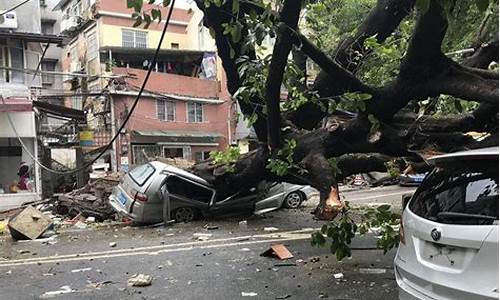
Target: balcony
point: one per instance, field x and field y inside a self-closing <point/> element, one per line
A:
<point x="177" y="72"/>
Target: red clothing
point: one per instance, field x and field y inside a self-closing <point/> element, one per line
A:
<point x="23" y="183"/>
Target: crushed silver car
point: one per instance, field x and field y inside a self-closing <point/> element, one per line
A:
<point x="142" y="192"/>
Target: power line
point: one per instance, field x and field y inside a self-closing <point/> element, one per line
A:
<point x="14" y="7"/>
<point x="62" y="74"/>
<point x="136" y="101"/>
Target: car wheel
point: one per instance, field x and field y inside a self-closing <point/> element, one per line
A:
<point x="293" y="200"/>
<point x="184" y="214"/>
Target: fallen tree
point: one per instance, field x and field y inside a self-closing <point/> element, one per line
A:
<point x="302" y="141"/>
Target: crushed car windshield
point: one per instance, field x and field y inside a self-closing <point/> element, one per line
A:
<point x="465" y="194"/>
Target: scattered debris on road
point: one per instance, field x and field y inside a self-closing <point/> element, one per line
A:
<point x="248" y="294"/>
<point x="284" y="296"/>
<point x="314" y="259"/>
<point x="372" y="271"/>
<point x="112" y="244"/>
<point x="90" y="200"/>
<point x="338" y="275"/>
<point x="81" y="270"/>
<point x="210" y="227"/>
<point x="66" y="289"/>
<point x="270" y="229"/>
<point x="279" y="251"/>
<point x="140" y="280"/>
<point x="202" y="236"/>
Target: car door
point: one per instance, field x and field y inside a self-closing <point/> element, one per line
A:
<point x="182" y="192"/>
<point x="272" y="199"/>
<point x="237" y="203"/>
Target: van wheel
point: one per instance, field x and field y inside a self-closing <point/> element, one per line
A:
<point x="184" y="214"/>
<point x="293" y="200"/>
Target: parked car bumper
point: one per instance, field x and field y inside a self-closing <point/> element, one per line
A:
<point x="120" y="209"/>
<point x="309" y="192"/>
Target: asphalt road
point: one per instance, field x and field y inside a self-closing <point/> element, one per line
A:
<point x="81" y="264"/>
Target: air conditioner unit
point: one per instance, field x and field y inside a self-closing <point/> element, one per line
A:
<point x="75" y="67"/>
<point x="8" y="20"/>
<point x="70" y="23"/>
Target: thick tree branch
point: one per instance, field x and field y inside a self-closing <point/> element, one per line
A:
<point x="289" y="18"/>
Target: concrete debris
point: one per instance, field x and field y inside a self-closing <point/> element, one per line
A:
<point x="80" y="225"/>
<point x="210" y="227"/>
<point x="284" y="296"/>
<point x="202" y="236"/>
<point x="372" y="271"/>
<point x="99" y="284"/>
<point x="23" y="251"/>
<point x="248" y="294"/>
<point x="243" y="224"/>
<point x="245" y="249"/>
<point x="29" y="224"/>
<point x="66" y="289"/>
<point x="90" y="200"/>
<point x="112" y="244"/>
<point x="81" y="270"/>
<point x="270" y="229"/>
<point x="322" y="296"/>
<point x="314" y="259"/>
<point x="338" y="275"/>
<point x="140" y="280"/>
<point x="279" y="251"/>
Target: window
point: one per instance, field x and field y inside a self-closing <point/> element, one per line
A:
<point x="201" y="156"/>
<point x="47" y="27"/>
<point x="142" y="173"/>
<point x="134" y="39"/>
<point x="465" y="195"/>
<point x="165" y="110"/>
<point x="186" y="189"/>
<point x="174" y="45"/>
<point x="173" y="152"/>
<point x="91" y="46"/>
<point x="48" y="66"/>
<point x="195" y="112"/>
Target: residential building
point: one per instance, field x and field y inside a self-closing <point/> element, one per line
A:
<point x="21" y="46"/>
<point x="185" y="110"/>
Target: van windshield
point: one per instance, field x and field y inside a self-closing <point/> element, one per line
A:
<point x="142" y="173"/>
<point x="465" y="194"/>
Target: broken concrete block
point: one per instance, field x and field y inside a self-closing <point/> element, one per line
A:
<point x="29" y="224"/>
<point x="140" y="280"/>
<point x="278" y="250"/>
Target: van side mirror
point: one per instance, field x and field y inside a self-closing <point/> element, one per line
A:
<point x="405" y="198"/>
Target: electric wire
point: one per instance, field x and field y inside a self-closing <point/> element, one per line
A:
<point x="136" y="101"/>
<point x="14" y="7"/>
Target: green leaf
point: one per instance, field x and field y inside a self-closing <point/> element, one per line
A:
<point x="458" y="106"/>
<point x="423" y="5"/>
<point x="384" y="207"/>
<point x="236" y="7"/>
<point x="482" y="5"/>
<point x="236" y="33"/>
<point x="156" y="14"/>
<point x="166" y="3"/>
<point x="232" y="54"/>
<point x="364" y="96"/>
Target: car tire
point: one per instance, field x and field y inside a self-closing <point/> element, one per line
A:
<point x="184" y="214"/>
<point x="293" y="200"/>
